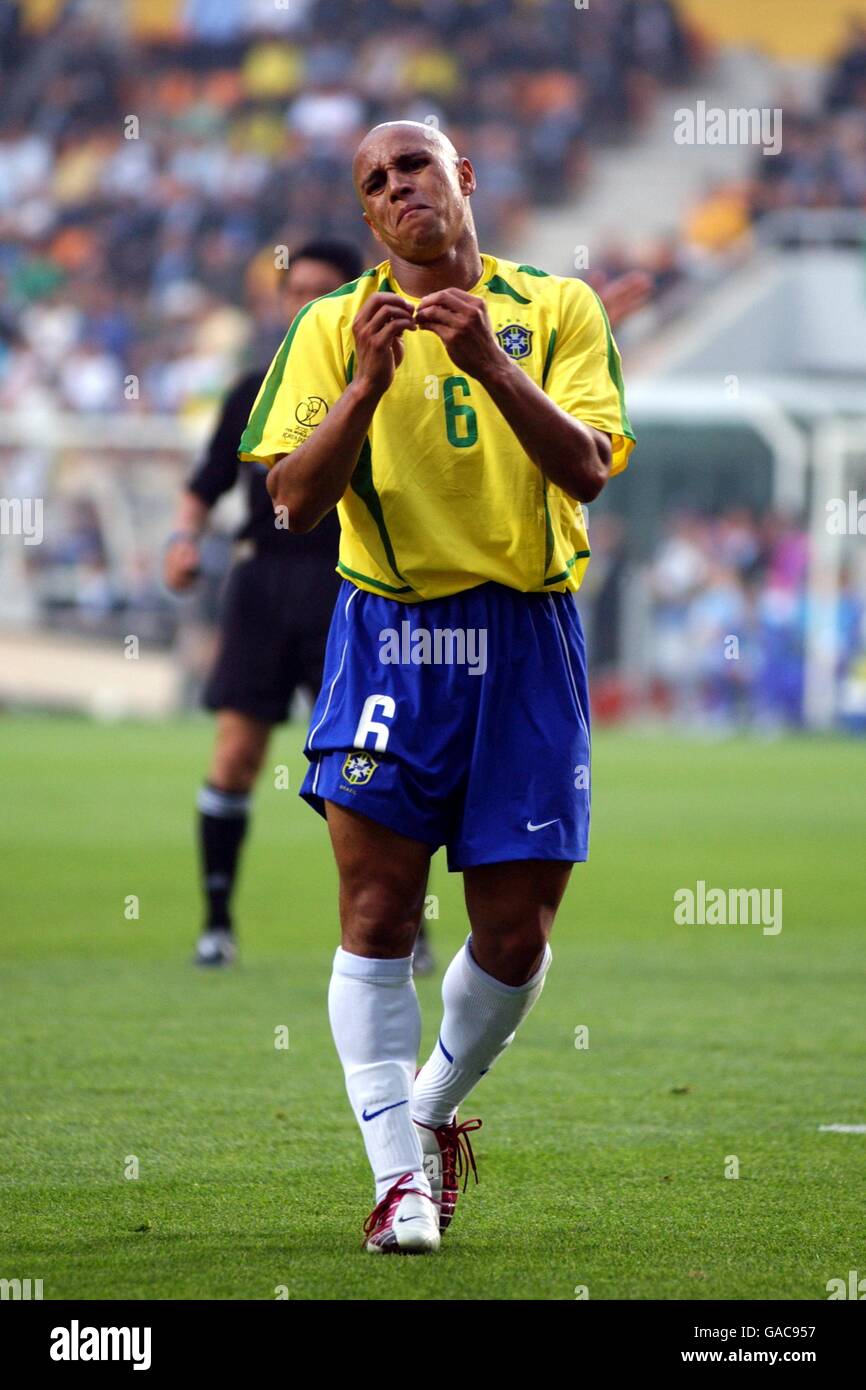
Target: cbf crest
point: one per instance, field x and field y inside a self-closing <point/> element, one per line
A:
<point x="359" y="768"/>
<point x="515" y="340"/>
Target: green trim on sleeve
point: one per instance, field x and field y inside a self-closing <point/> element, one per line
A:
<point x="613" y="367"/>
<point x="254" y="432"/>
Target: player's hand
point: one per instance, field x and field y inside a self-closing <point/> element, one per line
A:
<point x="378" y="328"/>
<point x="181" y="564"/>
<point x="460" y="320"/>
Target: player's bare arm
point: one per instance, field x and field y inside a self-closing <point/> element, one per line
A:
<point x="310" y="481"/>
<point x="572" y="455"/>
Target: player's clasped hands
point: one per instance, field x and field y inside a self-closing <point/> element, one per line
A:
<point x="460" y="319"/>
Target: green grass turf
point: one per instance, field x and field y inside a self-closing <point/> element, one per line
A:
<point x="602" y="1167"/>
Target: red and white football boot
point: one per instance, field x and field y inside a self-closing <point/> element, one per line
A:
<point x="405" y="1222"/>
<point x="448" y="1157"/>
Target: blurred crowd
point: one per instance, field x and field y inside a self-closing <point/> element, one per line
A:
<point x="822" y="163"/>
<point x="823" y="159"/>
<point x="155" y="156"/>
<point x="727" y="616"/>
<point x="709" y="631"/>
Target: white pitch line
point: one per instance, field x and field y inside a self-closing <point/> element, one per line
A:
<point x="843" y="1129"/>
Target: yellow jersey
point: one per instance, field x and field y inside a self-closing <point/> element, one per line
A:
<point x="444" y="497"/>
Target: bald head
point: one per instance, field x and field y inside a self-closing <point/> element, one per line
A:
<point x="418" y="130"/>
<point x="414" y="189"/>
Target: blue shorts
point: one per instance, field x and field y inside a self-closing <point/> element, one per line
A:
<point x="461" y="721"/>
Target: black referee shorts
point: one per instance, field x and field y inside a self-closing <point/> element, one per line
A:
<point x="273" y="628"/>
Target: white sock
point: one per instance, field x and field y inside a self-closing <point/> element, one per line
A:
<point x="480" y="1018"/>
<point x="376" y="1024"/>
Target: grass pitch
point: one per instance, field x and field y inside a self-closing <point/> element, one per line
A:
<point x="602" y="1167"/>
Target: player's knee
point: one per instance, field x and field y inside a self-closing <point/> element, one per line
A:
<point x="237" y="764"/>
<point x="512" y="953"/>
<point x="376" y="921"/>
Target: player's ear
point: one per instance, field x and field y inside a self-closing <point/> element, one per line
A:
<point x="466" y="176"/>
<point x="372" y="226"/>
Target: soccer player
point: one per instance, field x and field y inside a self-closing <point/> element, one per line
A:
<point x="466" y="408"/>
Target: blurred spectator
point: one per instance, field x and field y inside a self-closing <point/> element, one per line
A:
<point x="847" y="84"/>
<point x="729" y="616"/>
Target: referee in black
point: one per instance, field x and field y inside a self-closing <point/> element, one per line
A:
<point x="275" y="614"/>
